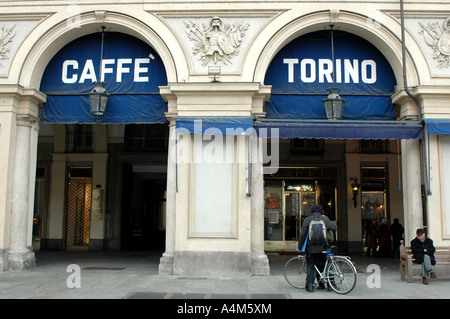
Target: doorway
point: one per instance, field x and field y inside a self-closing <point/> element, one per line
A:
<point x="374" y="197"/>
<point x="78" y="220"/>
<point x="297" y="207"/>
<point x="143" y="211"/>
<point x="287" y="203"/>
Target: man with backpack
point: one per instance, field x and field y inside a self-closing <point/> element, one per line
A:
<point x="314" y="231"/>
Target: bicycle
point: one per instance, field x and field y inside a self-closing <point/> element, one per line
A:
<point x="339" y="272"/>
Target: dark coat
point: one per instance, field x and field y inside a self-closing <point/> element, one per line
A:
<point x="397" y="232"/>
<point x="371" y="236"/>
<point x="384" y="236"/>
<point x="314" y="249"/>
<point x="417" y="248"/>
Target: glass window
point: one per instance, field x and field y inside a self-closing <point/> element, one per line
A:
<point x="293" y="206"/>
<point x="288" y="202"/>
<point x="273" y="215"/>
<point x="373" y="195"/>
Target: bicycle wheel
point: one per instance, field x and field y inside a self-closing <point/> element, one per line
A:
<point x="341" y="275"/>
<point x="295" y="271"/>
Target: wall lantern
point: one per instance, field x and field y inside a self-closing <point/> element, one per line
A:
<point x="334" y="104"/>
<point x="98" y="97"/>
<point x="355" y="189"/>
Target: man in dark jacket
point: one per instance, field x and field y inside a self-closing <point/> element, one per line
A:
<point x="423" y="251"/>
<point x="314" y="253"/>
<point x="397" y="232"/>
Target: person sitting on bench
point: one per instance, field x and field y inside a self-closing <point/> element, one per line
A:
<point x="423" y="250"/>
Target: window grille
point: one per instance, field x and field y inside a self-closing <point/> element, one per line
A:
<point x="307" y="146"/>
<point x="79" y="138"/>
<point x="79" y="207"/>
<point x="374" y="146"/>
<point x="146" y="138"/>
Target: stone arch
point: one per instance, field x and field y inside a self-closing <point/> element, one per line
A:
<point x="385" y="35"/>
<point x="56" y="32"/>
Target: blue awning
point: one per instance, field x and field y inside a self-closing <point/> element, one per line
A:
<point x="438" y="126"/>
<point x="339" y="130"/>
<point x="225" y="125"/>
<point x="133" y="73"/>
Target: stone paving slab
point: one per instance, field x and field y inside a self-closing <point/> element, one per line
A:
<point x="160" y="295"/>
<point x="135" y="275"/>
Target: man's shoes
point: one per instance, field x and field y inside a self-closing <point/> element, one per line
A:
<point x="309" y="288"/>
<point x="425" y="281"/>
<point x="433" y="274"/>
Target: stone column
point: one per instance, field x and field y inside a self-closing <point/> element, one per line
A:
<point x="412" y="194"/>
<point x="166" y="261"/>
<point x="260" y="262"/>
<point x="21" y="256"/>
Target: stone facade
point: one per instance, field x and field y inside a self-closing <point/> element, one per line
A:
<point x="242" y="38"/>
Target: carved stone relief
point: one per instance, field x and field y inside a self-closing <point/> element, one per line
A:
<point x="437" y="37"/>
<point x="433" y="37"/>
<point x="7" y="34"/>
<point x="12" y="34"/>
<point x="216" y="40"/>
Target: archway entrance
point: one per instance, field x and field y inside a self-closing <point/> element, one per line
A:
<point x="311" y="145"/>
<point x="125" y="151"/>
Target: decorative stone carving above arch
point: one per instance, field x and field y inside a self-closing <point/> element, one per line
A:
<point x="223" y="44"/>
<point x="433" y="37"/>
<point x="12" y="35"/>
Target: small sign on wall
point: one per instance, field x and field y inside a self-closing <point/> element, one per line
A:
<point x="97" y="204"/>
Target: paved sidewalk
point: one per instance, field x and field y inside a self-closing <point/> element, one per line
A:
<point x="122" y="275"/>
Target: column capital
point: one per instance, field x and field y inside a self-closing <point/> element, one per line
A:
<point x="24" y="120"/>
<point x="21" y="92"/>
<point x="240" y="98"/>
<point x="25" y="102"/>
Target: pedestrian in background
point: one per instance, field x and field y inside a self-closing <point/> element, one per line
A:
<point x="397" y="232"/>
<point x="384" y="239"/>
<point x="371" y="238"/>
